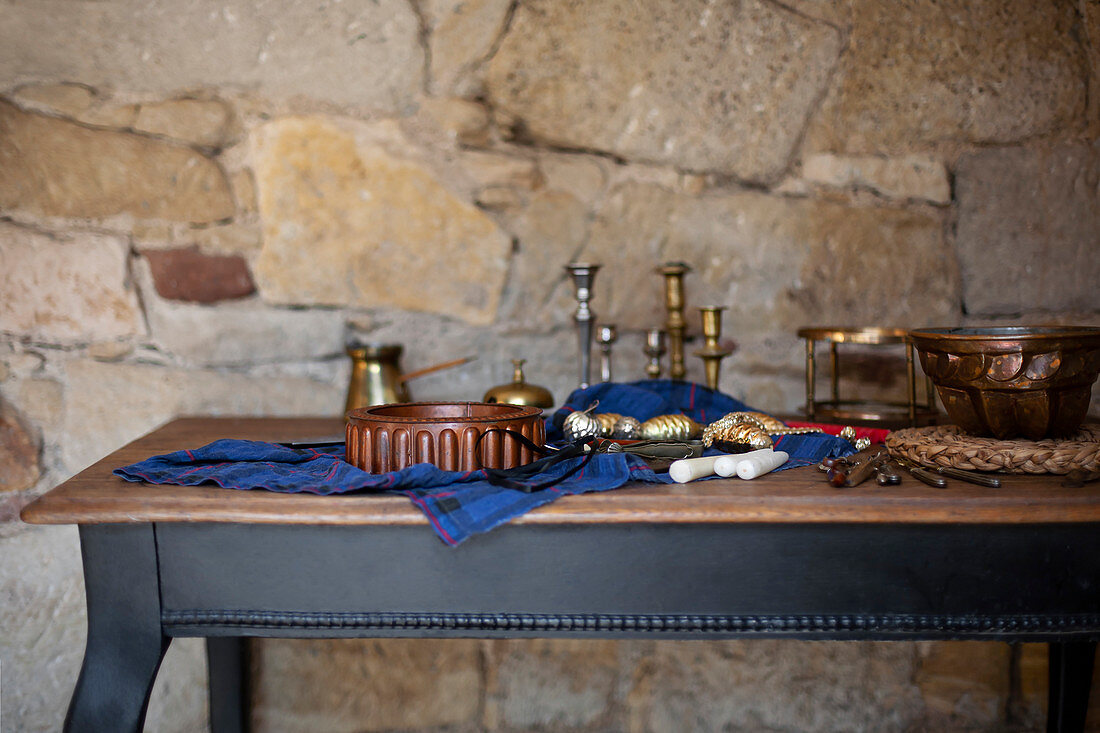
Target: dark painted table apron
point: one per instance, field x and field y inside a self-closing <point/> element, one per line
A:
<point x="783" y="557"/>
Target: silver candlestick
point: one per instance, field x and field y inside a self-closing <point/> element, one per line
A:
<point x="654" y="348"/>
<point x="605" y="336"/>
<point x="583" y="274"/>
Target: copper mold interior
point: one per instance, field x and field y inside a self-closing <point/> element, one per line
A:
<point x="391" y="437"/>
<point x="1012" y="381"/>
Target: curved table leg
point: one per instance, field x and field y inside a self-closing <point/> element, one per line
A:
<point x="125" y="641"/>
<point x="1070" y="680"/>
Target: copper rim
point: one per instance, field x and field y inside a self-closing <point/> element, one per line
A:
<point x="1005" y="333"/>
<point x="406" y="412"/>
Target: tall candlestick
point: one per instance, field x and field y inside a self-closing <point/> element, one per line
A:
<point x="712" y="352"/>
<point x="654" y="349"/>
<point x="583" y="274"/>
<point x="606" y="336"/>
<point x="674" y="301"/>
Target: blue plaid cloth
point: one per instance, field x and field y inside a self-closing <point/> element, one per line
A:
<point x="461" y="504"/>
<point x="457" y="504"/>
<point x="653" y="397"/>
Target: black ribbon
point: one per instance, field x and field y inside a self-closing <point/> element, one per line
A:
<point x="512" y="478"/>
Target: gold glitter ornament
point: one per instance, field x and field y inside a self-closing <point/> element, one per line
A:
<point x="741" y="432"/>
<point x="607" y="423"/>
<point x="670" y="427"/>
<point x="754" y="428"/>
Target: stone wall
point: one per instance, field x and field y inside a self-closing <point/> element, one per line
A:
<point x="198" y="206"/>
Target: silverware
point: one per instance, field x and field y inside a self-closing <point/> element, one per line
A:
<point x="922" y="474"/>
<point x="887" y="475"/>
<point x="856" y="468"/>
<point x="970" y="477"/>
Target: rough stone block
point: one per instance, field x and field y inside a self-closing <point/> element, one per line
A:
<point x="496" y="169"/>
<point x="778" y="263"/>
<point x="125" y="401"/>
<point x="774" y="685"/>
<point x="465" y="122"/>
<point x="910" y="177"/>
<point x="53" y="167"/>
<point x="1032" y="670"/>
<point x="1028" y="226"/>
<point x="707" y="87"/>
<point x="42" y="617"/>
<point x="921" y="73"/>
<point x="65" y="291"/>
<point x="189" y="275"/>
<point x="543" y="684"/>
<point x="548" y="231"/>
<point x="964" y="685"/>
<point x="361" y="52"/>
<point x="41" y="402"/>
<point x="365" y="685"/>
<point x="204" y="122"/>
<point x="19" y="467"/>
<point x="238" y="334"/>
<point x="68" y="99"/>
<point x="461" y="36"/>
<point x="351" y="224"/>
<point x="1090" y="12"/>
<point x="236" y="238"/>
<point x="583" y="176"/>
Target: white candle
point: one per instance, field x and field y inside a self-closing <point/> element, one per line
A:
<point x="760" y="465"/>
<point x="689" y="469"/>
<point x="726" y="466"/>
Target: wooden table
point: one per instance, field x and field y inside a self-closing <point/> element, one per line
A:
<point x="782" y="556"/>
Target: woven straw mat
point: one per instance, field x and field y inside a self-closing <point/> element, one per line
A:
<point x="948" y="446"/>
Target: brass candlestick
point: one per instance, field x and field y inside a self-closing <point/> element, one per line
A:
<point x="712" y="352"/>
<point x="674" y="301"/>
<point x="654" y="349"/>
<point x="606" y="336"/>
<point x="583" y="274"/>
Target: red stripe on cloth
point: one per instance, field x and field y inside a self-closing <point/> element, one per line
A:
<point x="431" y="517"/>
<point x="876" y="435"/>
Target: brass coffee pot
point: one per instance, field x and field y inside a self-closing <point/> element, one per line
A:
<point x="376" y="377"/>
<point x="519" y="392"/>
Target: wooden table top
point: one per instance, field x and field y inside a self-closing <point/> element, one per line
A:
<point x="798" y="495"/>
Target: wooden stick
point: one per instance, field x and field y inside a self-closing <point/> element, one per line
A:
<point x="438" y="367"/>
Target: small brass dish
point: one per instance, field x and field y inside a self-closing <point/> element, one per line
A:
<point x="1012" y="381"/>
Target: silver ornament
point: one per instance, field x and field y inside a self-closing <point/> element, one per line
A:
<point x="626" y="428"/>
<point x="580" y="426"/>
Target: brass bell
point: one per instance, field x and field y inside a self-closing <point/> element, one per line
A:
<point x="519" y="392"/>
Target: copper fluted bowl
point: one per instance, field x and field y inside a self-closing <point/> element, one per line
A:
<point x="1012" y="381"/>
<point x="446" y="434"/>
